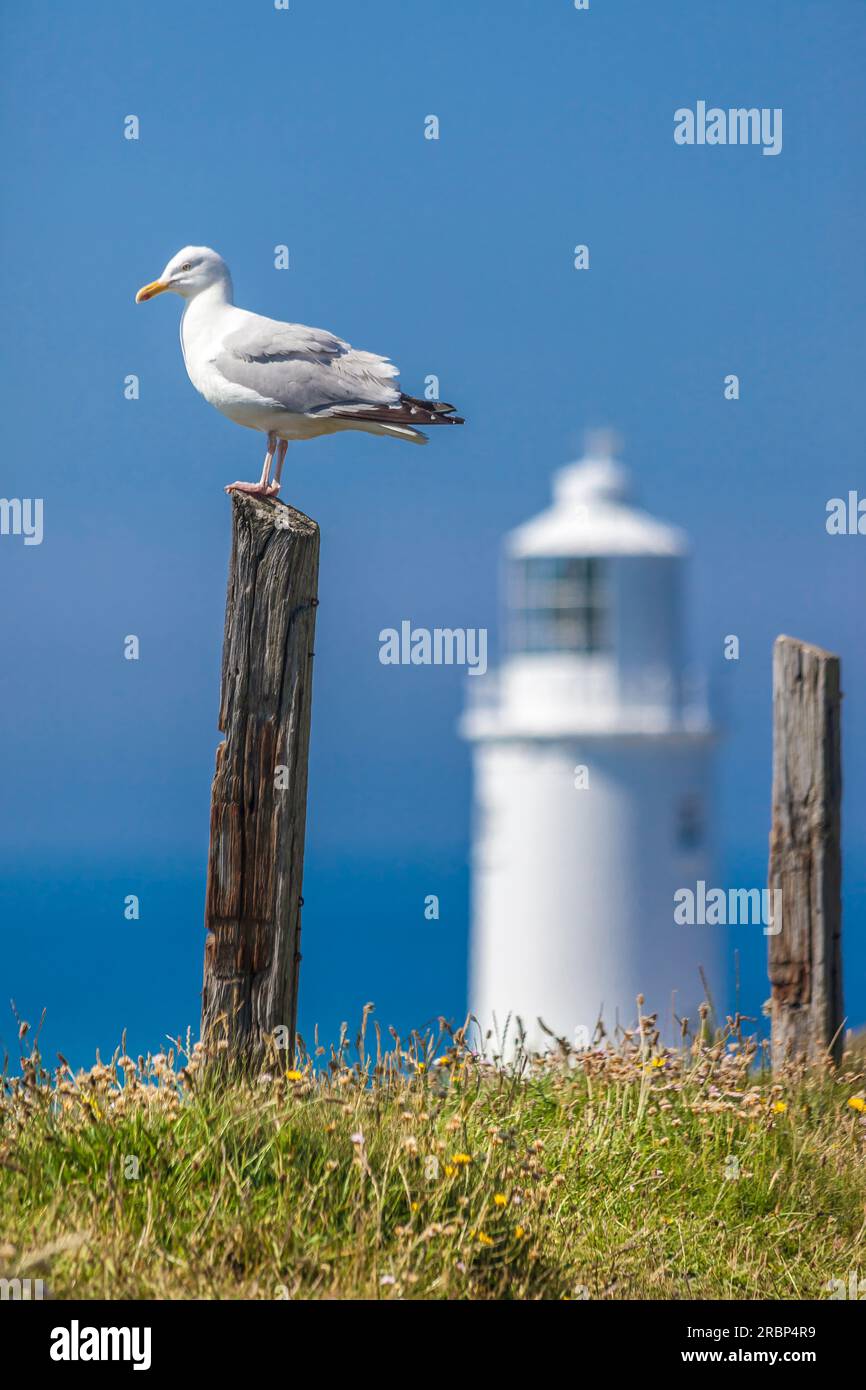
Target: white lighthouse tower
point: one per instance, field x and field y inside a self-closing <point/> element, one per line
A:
<point x="592" y="800"/>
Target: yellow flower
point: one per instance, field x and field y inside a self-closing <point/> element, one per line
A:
<point x="461" y="1158"/>
<point x="500" y="1199"/>
<point x="414" y="1206"/>
<point x="483" y="1238"/>
<point x="442" y="1061"/>
<point x="858" y="1103"/>
<point x="780" y="1107"/>
<point x="450" y="1170"/>
<point x="519" y="1232"/>
<point x="294" y="1076"/>
<point x="421" y="1066"/>
<point x="657" y="1062"/>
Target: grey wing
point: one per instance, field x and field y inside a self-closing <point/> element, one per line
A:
<point x="305" y="370"/>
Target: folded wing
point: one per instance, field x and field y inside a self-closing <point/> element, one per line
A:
<point x="306" y="370"/>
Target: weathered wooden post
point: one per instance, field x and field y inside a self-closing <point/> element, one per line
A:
<point x="259" y="796"/>
<point x="805" y="957"/>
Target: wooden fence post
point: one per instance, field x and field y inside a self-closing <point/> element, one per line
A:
<point x="259" y="795"/>
<point x="805" y="956"/>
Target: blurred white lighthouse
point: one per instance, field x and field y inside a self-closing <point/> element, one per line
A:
<point x="592" y="801"/>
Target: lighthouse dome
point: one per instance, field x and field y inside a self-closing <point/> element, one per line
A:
<point x="592" y="607"/>
<point x="593" y="514"/>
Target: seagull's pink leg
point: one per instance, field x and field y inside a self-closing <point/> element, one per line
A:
<point x="262" y="488"/>
<point x="278" y="468"/>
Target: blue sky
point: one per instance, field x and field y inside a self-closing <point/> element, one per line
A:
<point x="306" y="128"/>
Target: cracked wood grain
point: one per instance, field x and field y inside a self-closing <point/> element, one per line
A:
<point x="259" y="794"/>
<point x="805" y="957"/>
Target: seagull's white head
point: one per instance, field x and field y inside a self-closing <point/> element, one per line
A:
<point x="192" y="270"/>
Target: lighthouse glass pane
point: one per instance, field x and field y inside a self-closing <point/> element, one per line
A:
<point x="558" y="604"/>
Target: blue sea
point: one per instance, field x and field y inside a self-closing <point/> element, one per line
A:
<point x="69" y="950"/>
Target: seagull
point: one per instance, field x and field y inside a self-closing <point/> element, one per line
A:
<point x="289" y="381"/>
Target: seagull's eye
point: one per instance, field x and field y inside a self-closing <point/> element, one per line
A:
<point x="186" y="266"/>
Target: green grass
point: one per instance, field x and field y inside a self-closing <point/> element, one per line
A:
<point x="419" y="1172"/>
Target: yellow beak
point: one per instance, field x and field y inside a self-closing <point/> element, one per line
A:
<point x="148" y="291"/>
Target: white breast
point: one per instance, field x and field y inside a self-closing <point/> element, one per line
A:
<point x="203" y="328"/>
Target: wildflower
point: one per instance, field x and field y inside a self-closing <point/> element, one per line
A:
<point x="357" y="1138"/>
<point x="387" y="1279"/>
<point x="779" y="1107"/>
<point x="500" y="1199"/>
<point x="657" y="1062"/>
<point x="294" y="1076"/>
<point x="461" y="1158"/>
<point x="450" y="1170"/>
<point x="483" y="1238"/>
<point x="859" y="1104"/>
<point x="519" y="1232"/>
<point x="414" y="1206"/>
<point x="420" y="1066"/>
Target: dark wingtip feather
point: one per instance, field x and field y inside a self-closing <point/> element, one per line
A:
<point x="432" y="412"/>
<point x="409" y="411"/>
